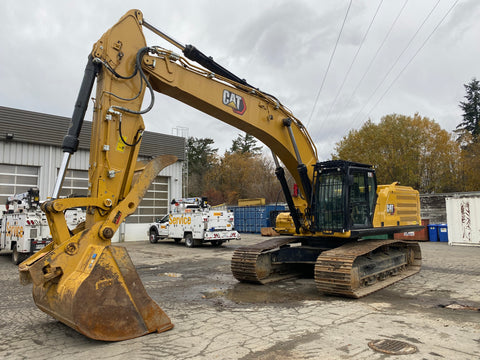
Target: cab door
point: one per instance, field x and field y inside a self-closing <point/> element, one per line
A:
<point x="361" y="198"/>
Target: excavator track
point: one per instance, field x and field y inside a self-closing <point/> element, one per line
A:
<point x="360" y="268"/>
<point x="254" y="263"/>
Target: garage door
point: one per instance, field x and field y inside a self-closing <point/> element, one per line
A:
<point x="75" y="183"/>
<point x="154" y="204"/>
<point x="16" y="179"/>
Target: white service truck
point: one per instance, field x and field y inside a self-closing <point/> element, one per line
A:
<point x="23" y="226"/>
<point x="195" y="221"/>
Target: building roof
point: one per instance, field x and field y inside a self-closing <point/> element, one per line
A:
<point x="45" y="129"/>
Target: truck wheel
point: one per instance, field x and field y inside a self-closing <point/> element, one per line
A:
<point x="153" y="237"/>
<point x="17" y="257"/>
<point x="189" y="240"/>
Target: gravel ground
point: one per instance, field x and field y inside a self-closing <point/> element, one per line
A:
<point x="435" y="311"/>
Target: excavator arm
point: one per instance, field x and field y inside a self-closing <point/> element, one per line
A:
<point x="245" y="108"/>
<point x="80" y="278"/>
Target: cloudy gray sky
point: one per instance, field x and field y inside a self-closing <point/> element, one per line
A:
<point x="393" y="56"/>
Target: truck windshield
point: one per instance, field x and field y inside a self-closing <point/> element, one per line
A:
<point x="163" y="219"/>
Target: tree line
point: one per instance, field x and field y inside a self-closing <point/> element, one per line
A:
<point x="417" y="152"/>
<point x="413" y="150"/>
<point x="241" y="172"/>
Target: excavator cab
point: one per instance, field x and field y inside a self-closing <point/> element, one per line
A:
<point x="345" y="196"/>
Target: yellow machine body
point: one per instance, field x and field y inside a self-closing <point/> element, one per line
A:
<point x="92" y="286"/>
<point x="395" y="206"/>
<point x="284" y="224"/>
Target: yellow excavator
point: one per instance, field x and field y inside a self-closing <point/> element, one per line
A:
<point x="341" y="224"/>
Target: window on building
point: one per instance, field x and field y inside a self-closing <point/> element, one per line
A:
<point x="16" y="179"/>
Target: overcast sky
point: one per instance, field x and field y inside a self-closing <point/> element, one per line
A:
<point x="403" y="60"/>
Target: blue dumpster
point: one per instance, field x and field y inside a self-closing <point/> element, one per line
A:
<point x="442" y="232"/>
<point x="432" y="232"/>
<point x="251" y="219"/>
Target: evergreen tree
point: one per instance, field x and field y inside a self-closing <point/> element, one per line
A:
<point x="469" y="128"/>
<point x="201" y="156"/>
<point x="245" y="145"/>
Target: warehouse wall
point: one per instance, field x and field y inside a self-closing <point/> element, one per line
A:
<point x="30" y="155"/>
<point x="49" y="158"/>
<point x="46" y="158"/>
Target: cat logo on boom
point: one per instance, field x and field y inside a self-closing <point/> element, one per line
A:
<point x="236" y="102"/>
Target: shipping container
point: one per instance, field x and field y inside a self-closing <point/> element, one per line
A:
<point x="463" y="218"/>
<point x="251" y="219"/>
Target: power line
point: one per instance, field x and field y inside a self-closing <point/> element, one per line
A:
<point x="413" y="57"/>
<point x="353" y="61"/>
<point x="396" y="61"/>
<point x="374" y="57"/>
<point x="329" y="63"/>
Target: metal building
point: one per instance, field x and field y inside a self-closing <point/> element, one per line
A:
<point x="30" y="155"/>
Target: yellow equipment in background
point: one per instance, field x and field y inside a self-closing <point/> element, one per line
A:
<point x="251" y="202"/>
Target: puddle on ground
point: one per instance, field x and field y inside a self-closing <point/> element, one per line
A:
<point x="456" y="306"/>
<point x="170" y="274"/>
<point x="292" y="291"/>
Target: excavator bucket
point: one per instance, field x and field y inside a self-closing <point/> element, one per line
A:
<point x="93" y="286"/>
<point x="103" y="298"/>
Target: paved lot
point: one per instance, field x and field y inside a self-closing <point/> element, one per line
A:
<point x="215" y="317"/>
